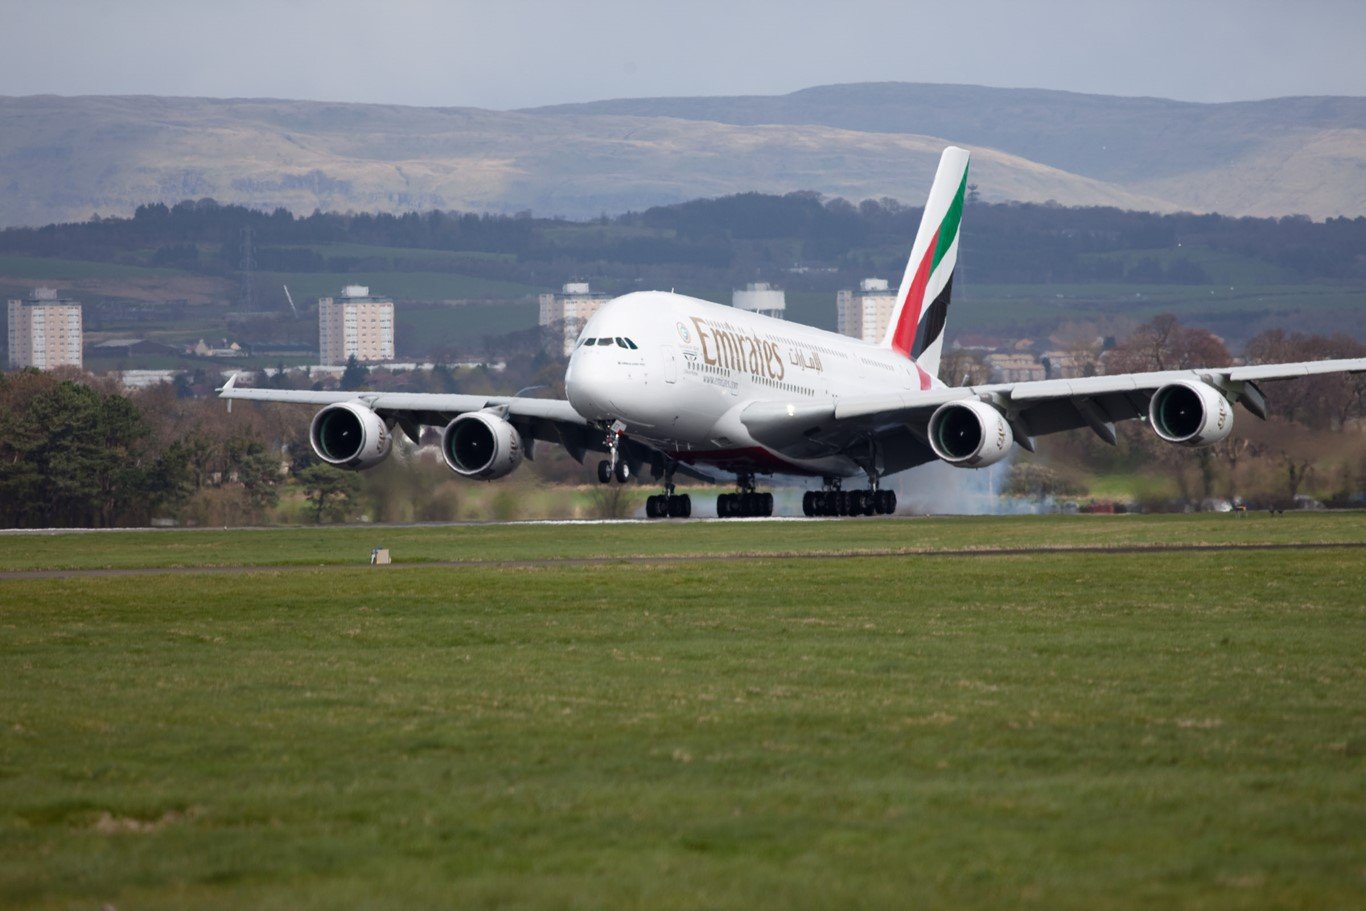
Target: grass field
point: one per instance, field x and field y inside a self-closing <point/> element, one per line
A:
<point x="1053" y="730"/>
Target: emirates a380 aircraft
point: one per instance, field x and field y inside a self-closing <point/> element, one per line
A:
<point x="678" y="384"/>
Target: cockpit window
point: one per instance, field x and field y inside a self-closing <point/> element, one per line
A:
<point x="621" y="342"/>
<point x="604" y="341"/>
<point x="589" y="341"/>
<point x="630" y="344"/>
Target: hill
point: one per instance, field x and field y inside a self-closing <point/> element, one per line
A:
<point x="1275" y="157"/>
<point x="69" y="158"/>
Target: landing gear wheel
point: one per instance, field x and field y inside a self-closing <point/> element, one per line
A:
<point x="623" y="472"/>
<point x="766" y="503"/>
<point x="652" y="507"/>
<point x="886" y="502"/>
<point x="855" y="503"/>
<point x="604" y="472"/>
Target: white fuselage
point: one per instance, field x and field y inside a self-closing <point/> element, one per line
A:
<point x="695" y="366"/>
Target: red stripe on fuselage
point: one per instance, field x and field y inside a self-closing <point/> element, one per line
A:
<point x="904" y="337"/>
<point x="748" y="458"/>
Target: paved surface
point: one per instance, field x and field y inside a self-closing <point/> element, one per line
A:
<point x="496" y="564"/>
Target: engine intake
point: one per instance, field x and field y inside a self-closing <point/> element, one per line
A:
<point x="1190" y="414"/>
<point x="481" y="445"/>
<point x="970" y="434"/>
<point x="349" y="435"/>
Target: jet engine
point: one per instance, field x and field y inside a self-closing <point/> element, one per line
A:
<point x="481" y="445"/>
<point x="970" y="434"/>
<point x="349" y="435"/>
<point x="1190" y="414"/>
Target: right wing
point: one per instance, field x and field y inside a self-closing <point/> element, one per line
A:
<point x="1031" y="408"/>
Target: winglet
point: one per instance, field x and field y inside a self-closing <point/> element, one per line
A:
<point x="232" y="382"/>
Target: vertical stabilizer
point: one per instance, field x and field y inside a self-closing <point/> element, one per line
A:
<point x="922" y="302"/>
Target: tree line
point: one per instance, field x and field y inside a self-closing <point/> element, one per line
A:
<point x="1009" y="242"/>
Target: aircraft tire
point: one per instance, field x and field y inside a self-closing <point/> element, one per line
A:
<point x="723" y="506"/>
<point x="887" y="500"/>
<point x="806" y="504"/>
<point x="604" y="472"/>
<point x="651" y="507"/>
<point x="686" y="500"/>
<point x="623" y="472"/>
<point x="767" y="503"/>
<point x="855" y="502"/>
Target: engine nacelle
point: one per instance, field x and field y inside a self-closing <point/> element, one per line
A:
<point x="481" y="445"/>
<point x="1190" y="414"/>
<point x="349" y="435"/>
<point x="970" y="434"/>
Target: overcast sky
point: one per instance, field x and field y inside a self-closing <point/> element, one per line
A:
<point x="518" y="53"/>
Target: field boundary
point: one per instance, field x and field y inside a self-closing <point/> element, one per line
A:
<point x="733" y="556"/>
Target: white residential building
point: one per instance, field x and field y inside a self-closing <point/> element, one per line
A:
<point x="355" y="325"/>
<point x="567" y="312"/>
<point x="45" y="331"/>
<point x="866" y="312"/>
<point x="760" y="297"/>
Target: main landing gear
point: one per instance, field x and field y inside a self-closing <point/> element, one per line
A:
<point x="668" y="505"/>
<point x="746" y="503"/>
<point x="835" y="502"/>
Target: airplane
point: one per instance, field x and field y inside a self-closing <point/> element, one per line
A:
<point x="677" y="384"/>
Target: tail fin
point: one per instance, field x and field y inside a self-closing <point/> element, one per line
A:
<point x="922" y="302"/>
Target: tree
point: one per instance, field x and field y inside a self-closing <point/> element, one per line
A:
<point x="355" y="375"/>
<point x="1165" y="344"/>
<point x="330" y="490"/>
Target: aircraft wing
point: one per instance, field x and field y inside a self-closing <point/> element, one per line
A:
<point x="1032" y="408"/>
<point x="552" y="420"/>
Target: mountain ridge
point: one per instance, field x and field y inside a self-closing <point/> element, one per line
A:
<point x="66" y="158"/>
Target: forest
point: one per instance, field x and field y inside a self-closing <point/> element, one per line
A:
<point x="736" y="235"/>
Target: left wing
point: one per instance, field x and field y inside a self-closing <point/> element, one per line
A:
<point x="552" y="420"/>
<point x="1029" y="409"/>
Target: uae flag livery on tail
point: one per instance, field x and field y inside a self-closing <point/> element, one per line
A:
<point x="917" y="326"/>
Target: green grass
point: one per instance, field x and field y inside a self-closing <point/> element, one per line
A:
<point x="343" y="545"/>
<point x="14" y="266"/>
<point x="423" y="328"/>
<point x="308" y="286"/>
<point x="1238" y="311"/>
<point x="401" y="253"/>
<point x="1066" y="731"/>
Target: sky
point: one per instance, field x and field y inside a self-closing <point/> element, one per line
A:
<point x="505" y="54"/>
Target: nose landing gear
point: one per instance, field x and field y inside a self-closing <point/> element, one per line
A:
<point x="614" y="466"/>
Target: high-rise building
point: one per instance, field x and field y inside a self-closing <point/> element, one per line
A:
<point x="866" y="312"/>
<point x="45" y="331"/>
<point x="355" y="325"/>
<point x="566" y="313"/>
<point x="760" y="297"/>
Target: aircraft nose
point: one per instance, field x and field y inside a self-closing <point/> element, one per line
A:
<point x="588" y="383"/>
